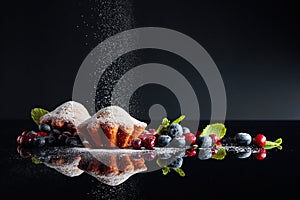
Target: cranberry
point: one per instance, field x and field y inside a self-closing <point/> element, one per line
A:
<point x="219" y="143"/>
<point x="261" y="154"/>
<point x="137" y="143"/>
<point x="42" y="134"/>
<point x="149" y="142"/>
<point x="214" y="138"/>
<point x="190" y="152"/>
<point x="190" y="138"/>
<point x="260" y="140"/>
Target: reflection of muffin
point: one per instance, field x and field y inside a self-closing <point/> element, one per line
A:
<point x="112" y="169"/>
<point x="66" y="167"/>
<point x="110" y="127"/>
<point x="70" y="114"/>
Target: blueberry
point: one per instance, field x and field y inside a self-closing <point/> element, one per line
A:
<point x="178" y="142"/>
<point x="242" y="139"/>
<point x="39" y="141"/>
<point x="71" y="141"/>
<point x="204" y="141"/>
<point x="175" y="130"/>
<point x="45" y="128"/>
<point x="163" y="140"/>
<point x="185" y="130"/>
<point x="50" y="140"/>
<point x="204" y="154"/>
<point x="55" y="132"/>
<point x="177" y="163"/>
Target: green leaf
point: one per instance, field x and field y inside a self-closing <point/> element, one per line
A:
<point x="163" y="127"/>
<point x="178" y="120"/>
<point x="217" y="128"/>
<point x="221" y="153"/>
<point x="37" y="113"/>
<point x="180" y="172"/>
<point x="270" y="145"/>
<point x="165" y="170"/>
<point x="35" y="160"/>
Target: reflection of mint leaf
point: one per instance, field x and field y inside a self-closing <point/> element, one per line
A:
<point x="163" y="127"/>
<point x="178" y="120"/>
<point x="180" y="172"/>
<point x="165" y="170"/>
<point x="271" y="145"/>
<point x="217" y="128"/>
<point x="35" y="160"/>
<point x="37" y="113"/>
<point x="221" y="153"/>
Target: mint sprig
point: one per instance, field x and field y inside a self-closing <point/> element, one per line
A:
<point x="164" y="126"/>
<point x="37" y="113"/>
<point x="271" y="144"/>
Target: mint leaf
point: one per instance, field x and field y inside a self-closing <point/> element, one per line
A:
<point x="271" y="145"/>
<point x="217" y="128"/>
<point x="165" y="170"/>
<point x="37" y="113"/>
<point x="163" y="127"/>
<point x="221" y="153"/>
<point x="35" y="160"/>
<point x="180" y="172"/>
<point x="178" y="120"/>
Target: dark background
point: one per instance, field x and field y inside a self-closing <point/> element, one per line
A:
<point x="253" y="43"/>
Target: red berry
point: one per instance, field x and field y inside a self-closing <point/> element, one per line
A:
<point x="261" y="154"/>
<point x="190" y="152"/>
<point x="152" y="131"/>
<point x="219" y="143"/>
<point x="137" y="143"/>
<point x="214" y="138"/>
<point x="190" y="138"/>
<point x="42" y="134"/>
<point x="24" y="133"/>
<point x="260" y="140"/>
<point x="149" y="142"/>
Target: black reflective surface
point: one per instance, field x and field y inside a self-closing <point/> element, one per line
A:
<point x="277" y="174"/>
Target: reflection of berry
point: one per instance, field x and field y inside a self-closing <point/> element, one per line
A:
<point x="261" y="154"/>
<point x="177" y="163"/>
<point x="190" y="152"/>
<point x="260" y="140"/>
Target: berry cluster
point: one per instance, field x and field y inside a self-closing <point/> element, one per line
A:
<point x="245" y="139"/>
<point x="48" y="136"/>
<point x="176" y="136"/>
